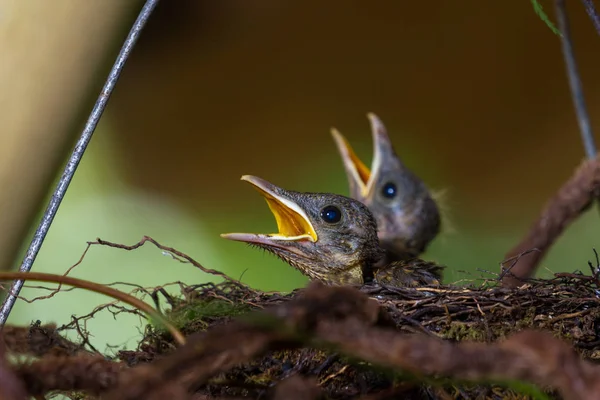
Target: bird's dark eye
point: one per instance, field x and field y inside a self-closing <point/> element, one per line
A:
<point x="389" y="190"/>
<point x="331" y="214"/>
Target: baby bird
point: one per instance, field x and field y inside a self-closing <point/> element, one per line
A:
<point x="331" y="238"/>
<point x="407" y="216"/>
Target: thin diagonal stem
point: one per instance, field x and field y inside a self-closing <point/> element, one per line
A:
<point x="583" y="118"/>
<point x="590" y="8"/>
<point x="98" y="288"/>
<point x="69" y="171"/>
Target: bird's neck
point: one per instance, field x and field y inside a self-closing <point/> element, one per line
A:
<point x="349" y="276"/>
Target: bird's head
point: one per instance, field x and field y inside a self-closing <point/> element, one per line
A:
<point x="407" y="216"/>
<point x="328" y="237"/>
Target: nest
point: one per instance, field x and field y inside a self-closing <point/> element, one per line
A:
<point x="339" y="343"/>
<point x="513" y="337"/>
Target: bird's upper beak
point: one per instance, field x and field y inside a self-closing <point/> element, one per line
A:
<point x="360" y="178"/>
<point x="292" y="222"/>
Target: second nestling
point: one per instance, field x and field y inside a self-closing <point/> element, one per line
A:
<point x="407" y="216"/>
<point x="331" y="238"/>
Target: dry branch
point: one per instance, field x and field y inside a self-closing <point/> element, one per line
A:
<point x="571" y="200"/>
<point x="175" y="253"/>
<point x="38" y="340"/>
<point x="91" y="373"/>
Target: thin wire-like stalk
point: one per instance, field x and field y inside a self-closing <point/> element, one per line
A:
<point x="590" y="8"/>
<point x="583" y="118"/>
<point x="69" y="171"/>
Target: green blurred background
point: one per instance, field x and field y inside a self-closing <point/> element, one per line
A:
<point x="474" y="96"/>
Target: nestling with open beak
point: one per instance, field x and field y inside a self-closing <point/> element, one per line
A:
<point x="407" y="216"/>
<point x="330" y="238"/>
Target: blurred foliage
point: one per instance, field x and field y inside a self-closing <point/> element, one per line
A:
<point x="481" y="111"/>
<point x="539" y="10"/>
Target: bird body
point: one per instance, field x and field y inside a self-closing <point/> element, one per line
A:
<point x="413" y="272"/>
<point x="331" y="238"/>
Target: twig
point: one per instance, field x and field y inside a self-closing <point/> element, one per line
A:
<point x="571" y="200"/>
<point x="56" y="290"/>
<point x="169" y="250"/>
<point x="38" y="340"/>
<point x="84" y="336"/>
<point x="513" y="261"/>
<point x="59" y="289"/>
<point x="334" y="374"/>
<point x="95" y="287"/>
<point x="590" y="8"/>
<point x="583" y="118"/>
<point x="71" y="167"/>
<point x="83" y="372"/>
<point x="113" y="308"/>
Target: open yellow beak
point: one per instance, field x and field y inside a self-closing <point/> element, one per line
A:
<point x="292" y="222"/>
<point x="357" y="171"/>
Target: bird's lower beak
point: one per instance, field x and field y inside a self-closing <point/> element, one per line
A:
<point x="292" y="222"/>
<point x="359" y="175"/>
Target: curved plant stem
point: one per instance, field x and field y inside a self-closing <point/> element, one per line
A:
<point x="98" y="288"/>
